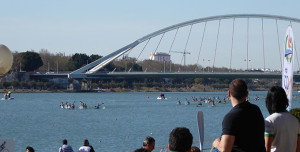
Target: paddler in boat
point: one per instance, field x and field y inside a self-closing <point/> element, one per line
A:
<point x="62" y="105"/>
<point x="97" y="106"/>
<point x="5" y="95"/>
<point x="162" y="96"/>
<point x="8" y="94"/>
<point x="213" y="103"/>
<point x="199" y="104"/>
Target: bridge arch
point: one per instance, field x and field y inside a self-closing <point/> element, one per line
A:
<point x="100" y="63"/>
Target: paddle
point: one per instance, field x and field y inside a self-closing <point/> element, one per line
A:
<point x="200" y="122"/>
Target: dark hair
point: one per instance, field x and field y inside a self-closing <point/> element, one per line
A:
<point x="180" y="139"/>
<point x="148" y="140"/>
<point x="238" y="89"/>
<point x="140" y="150"/>
<point x="65" y="142"/>
<point x="195" y="149"/>
<point x="30" y="149"/>
<point x="86" y="142"/>
<point x="276" y="100"/>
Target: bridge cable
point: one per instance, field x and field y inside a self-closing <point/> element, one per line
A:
<point x="278" y="45"/>
<point x="232" y="43"/>
<point x="172" y="46"/>
<point x="216" y="46"/>
<point x="296" y="51"/>
<point x="184" y="51"/>
<point x="159" y="42"/>
<point x="263" y="39"/>
<point x="139" y="55"/>
<point x="200" y="46"/>
<point x="247" y="41"/>
<point x="173" y="40"/>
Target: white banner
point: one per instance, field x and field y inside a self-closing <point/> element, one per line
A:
<point x="287" y="66"/>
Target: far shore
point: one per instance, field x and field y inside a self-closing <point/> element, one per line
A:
<point x="140" y="89"/>
<point x="143" y="89"/>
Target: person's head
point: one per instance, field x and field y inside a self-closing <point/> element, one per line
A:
<point x="65" y="142"/>
<point x="195" y="149"/>
<point x="86" y="142"/>
<point x="276" y="100"/>
<point x="29" y="149"/>
<point x="180" y="139"/>
<point x="238" y="89"/>
<point x="149" y="143"/>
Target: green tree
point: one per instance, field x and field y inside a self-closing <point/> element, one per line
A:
<point x="15" y="84"/>
<point x="94" y="57"/>
<point x="32" y="84"/>
<point x="40" y="85"/>
<point x="6" y="84"/>
<point x="77" y="61"/>
<point x="198" y="80"/>
<point x="24" y="85"/>
<point x="27" y="61"/>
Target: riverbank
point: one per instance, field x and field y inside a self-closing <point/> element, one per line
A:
<point x="201" y="88"/>
<point x="194" y="88"/>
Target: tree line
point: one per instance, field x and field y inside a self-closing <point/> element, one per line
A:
<point x="44" y="61"/>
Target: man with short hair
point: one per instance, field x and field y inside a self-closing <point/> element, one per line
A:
<point x="86" y="147"/>
<point x="180" y="140"/>
<point x="243" y="126"/>
<point x="65" y="147"/>
<point x="149" y="144"/>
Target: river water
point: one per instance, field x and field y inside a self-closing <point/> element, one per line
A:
<point x="36" y="119"/>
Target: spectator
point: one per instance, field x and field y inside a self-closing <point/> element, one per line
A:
<point x="65" y="147"/>
<point x="180" y="140"/>
<point x="29" y="149"/>
<point x="243" y="126"/>
<point x="281" y="128"/>
<point x="86" y="147"/>
<point x="149" y="144"/>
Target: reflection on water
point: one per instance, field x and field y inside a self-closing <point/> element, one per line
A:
<point x="36" y="119"/>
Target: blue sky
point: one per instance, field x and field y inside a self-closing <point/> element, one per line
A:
<point x="100" y="27"/>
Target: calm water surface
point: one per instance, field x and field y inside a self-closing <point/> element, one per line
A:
<point x="36" y="119"/>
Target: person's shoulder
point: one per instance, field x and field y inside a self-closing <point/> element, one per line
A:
<point x="254" y="106"/>
<point x="291" y="117"/>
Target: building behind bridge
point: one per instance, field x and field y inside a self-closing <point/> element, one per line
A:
<point x="160" y="56"/>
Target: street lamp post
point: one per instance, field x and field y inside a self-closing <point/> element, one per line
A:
<point x="247" y="63"/>
<point x="208" y="65"/>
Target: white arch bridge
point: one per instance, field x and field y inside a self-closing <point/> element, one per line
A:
<point x="239" y="42"/>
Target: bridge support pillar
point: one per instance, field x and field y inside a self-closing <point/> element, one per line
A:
<point x="70" y="86"/>
<point x="84" y="85"/>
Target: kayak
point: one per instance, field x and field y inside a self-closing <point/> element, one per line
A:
<point x="160" y="98"/>
<point x="65" y="107"/>
<point x="8" y="98"/>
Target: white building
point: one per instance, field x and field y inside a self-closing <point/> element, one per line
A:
<point x="160" y="56"/>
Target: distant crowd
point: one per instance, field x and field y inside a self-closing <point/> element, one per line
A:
<point x="67" y="148"/>
<point x="243" y="128"/>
